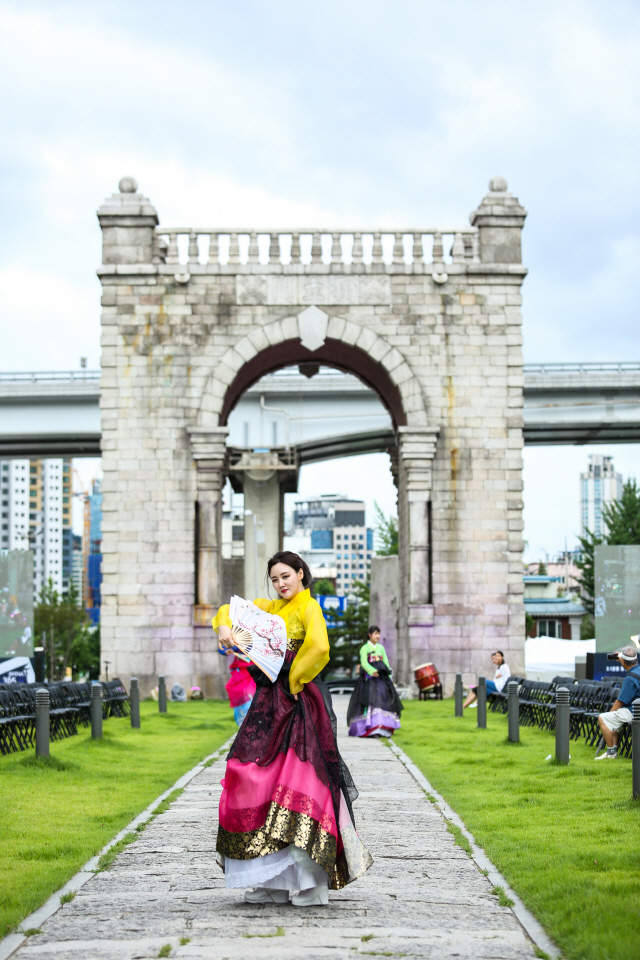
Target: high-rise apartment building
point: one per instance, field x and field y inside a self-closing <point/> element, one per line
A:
<point x="14" y="491"/>
<point x="598" y="486"/>
<point x="330" y="533"/>
<point x="93" y="570"/>
<point x="77" y="565"/>
<point x="36" y="514"/>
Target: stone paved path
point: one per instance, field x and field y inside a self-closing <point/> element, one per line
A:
<point x="422" y="898"/>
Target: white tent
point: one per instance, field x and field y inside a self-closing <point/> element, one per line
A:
<point x="546" y="657"/>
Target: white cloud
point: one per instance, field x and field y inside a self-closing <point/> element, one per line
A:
<point x="47" y="322"/>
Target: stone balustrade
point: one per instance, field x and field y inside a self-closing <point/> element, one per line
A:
<point x="234" y="247"/>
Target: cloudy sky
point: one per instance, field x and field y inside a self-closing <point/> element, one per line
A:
<point x="390" y="112"/>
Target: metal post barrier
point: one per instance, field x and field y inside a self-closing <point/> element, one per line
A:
<point x="96" y="711"/>
<point x="481" y="693"/>
<point x="635" y="750"/>
<point x="162" y="695"/>
<point x="42" y="723"/>
<point x="562" y="725"/>
<point x="458" y="694"/>
<point x="514" y="712"/>
<point x="134" y="697"/>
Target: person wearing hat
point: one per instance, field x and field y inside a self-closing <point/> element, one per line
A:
<point x="620" y="713"/>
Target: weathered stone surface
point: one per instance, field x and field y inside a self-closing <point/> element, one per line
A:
<point x="440" y="341"/>
<point x="423" y="897"/>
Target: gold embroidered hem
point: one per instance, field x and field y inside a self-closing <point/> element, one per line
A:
<point x="294" y="644"/>
<point x="282" y="827"/>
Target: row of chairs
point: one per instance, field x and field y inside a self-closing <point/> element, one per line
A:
<point x="587" y="700"/>
<point x="69" y="707"/>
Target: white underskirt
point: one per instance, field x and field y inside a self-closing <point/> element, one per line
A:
<point x="287" y="869"/>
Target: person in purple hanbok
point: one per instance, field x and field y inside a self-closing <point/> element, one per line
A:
<point x="375" y="707"/>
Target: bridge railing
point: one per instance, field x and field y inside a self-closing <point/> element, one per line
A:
<point x="31" y="376"/>
<point x="596" y="367"/>
<point x="191" y="245"/>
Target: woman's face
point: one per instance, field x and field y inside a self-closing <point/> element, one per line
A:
<point x="375" y="636"/>
<point x="286" y="580"/>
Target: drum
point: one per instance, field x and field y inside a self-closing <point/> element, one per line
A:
<point x="426" y="676"/>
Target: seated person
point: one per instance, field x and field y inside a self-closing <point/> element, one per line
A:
<point x="620" y="713"/>
<point x="502" y="674"/>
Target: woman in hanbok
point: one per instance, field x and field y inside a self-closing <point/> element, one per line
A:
<point x="240" y="686"/>
<point x="286" y="823"/>
<point x="375" y="707"/>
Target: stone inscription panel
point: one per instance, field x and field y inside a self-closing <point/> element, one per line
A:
<point x="314" y="289"/>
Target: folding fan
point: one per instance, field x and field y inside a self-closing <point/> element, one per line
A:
<point x="258" y="635"/>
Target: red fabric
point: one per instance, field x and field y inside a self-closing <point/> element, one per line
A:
<point x="249" y="789"/>
<point x="240" y="685"/>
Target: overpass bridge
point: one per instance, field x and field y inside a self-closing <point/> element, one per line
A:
<point x="326" y="415"/>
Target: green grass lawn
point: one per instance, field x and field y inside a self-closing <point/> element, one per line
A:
<point x="567" y="839"/>
<point x="58" y="815"/>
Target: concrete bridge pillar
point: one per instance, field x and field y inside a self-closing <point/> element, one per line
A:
<point x="265" y="477"/>
<point x="208" y="450"/>
<point x="417" y="451"/>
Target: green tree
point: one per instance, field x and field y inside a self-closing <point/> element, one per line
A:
<point x="622" y="517"/>
<point x="542" y="568"/>
<point x="386" y="533"/>
<point x="529" y="624"/>
<point x="588" y="545"/>
<point x="323" y="588"/>
<point x="345" y="641"/>
<point x="69" y="641"/>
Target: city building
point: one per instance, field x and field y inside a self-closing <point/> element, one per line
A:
<point x="14" y="490"/>
<point x="93" y="568"/>
<point x="77" y="565"/>
<point x="36" y="515"/>
<point x="330" y="533"/>
<point x="555" y="614"/>
<point x="564" y="567"/>
<point x="599" y="486"/>
<point x="232" y="539"/>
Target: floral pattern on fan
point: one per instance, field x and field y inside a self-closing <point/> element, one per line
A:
<point x="258" y="635"/>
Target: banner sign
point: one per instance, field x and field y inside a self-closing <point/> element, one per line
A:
<point x="599" y="668"/>
<point x="616" y="596"/>
<point x="332" y="607"/>
<point x="17" y="670"/>
<point x="16" y="603"/>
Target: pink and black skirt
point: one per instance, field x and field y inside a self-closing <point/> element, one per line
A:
<point x="286" y="788"/>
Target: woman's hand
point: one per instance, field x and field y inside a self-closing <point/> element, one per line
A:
<point x="375" y="674"/>
<point x="225" y="637"/>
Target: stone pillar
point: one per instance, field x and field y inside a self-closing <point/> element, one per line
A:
<point x="208" y="449"/>
<point x="417" y="448"/>
<point x="264" y="477"/>
<point x="128" y="224"/>
<point x="383" y="606"/>
<point x="500" y="219"/>
<point x="576" y="625"/>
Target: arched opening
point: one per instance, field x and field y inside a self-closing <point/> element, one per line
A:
<point x="333" y="353"/>
<point x="325" y="512"/>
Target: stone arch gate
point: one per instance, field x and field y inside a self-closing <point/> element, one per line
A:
<point x="439" y="341"/>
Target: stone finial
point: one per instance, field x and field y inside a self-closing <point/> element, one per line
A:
<point x="128" y="224"/>
<point x="496" y="185"/>
<point x="128" y="185"/>
<point x="499" y="218"/>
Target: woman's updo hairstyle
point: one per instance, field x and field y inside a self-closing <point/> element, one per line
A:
<point x="291" y="560"/>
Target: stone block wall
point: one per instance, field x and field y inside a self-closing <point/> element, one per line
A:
<point x="446" y="337"/>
